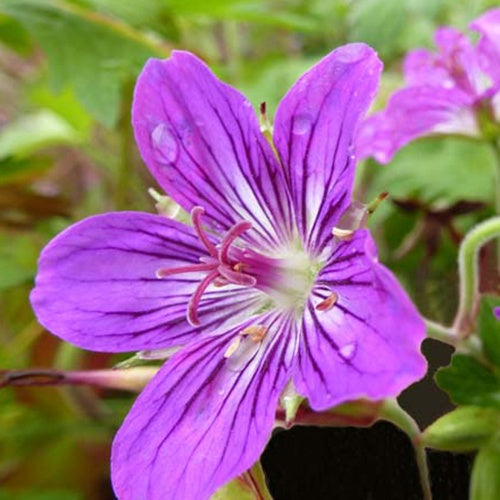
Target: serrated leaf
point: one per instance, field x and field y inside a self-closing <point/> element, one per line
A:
<point x="489" y="329"/>
<point x="463" y="429"/>
<point x="468" y="382"/>
<point x="30" y="132"/>
<point x="92" y="53"/>
<point x="485" y="479"/>
<point x="439" y="170"/>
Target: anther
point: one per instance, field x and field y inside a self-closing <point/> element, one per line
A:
<point x="328" y="303"/>
<point x="256" y="332"/>
<point x="233" y="347"/>
<point x="342" y="234"/>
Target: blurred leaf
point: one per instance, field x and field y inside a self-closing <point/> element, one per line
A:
<point x="489" y="329"/>
<point x="379" y="23"/>
<point x="28" y="133"/>
<point x="234" y="490"/>
<point x="18" y="256"/>
<point x="14" y="35"/>
<point x="281" y="14"/>
<point x="468" y="382"/>
<point x="444" y="170"/>
<point x="65" y="105"/>
<point x="485" y="479"/>
<point x="463" y="429"/>
<point x="40" y="495"/>
<point x="21" y="170"/>
<point x="92" y="53"/>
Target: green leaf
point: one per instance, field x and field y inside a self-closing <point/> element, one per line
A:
<point x="489" y="329"/>
<point x="468" y="382"/>
<point x="463" y="429"/>
<point x="485" y="479"/>
<point x="31" y="132"/>
<point x="439" y="170"/>
<point x="21" y="170"/>
<point x="14" y="35"/>
<point x="91" y="52"/>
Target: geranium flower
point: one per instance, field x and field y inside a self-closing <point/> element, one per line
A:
<point x="258" y="292"/>
<point x="453" y="91"/>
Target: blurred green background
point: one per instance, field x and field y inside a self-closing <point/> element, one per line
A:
<point x="67" y="70"/>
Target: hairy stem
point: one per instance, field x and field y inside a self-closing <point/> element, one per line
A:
<point x="469" y="273"/>
<point x="392" y="412"/>
<point x="442" y="333"/>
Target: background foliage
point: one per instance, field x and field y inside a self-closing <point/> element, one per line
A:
<point x="67" y="69"/>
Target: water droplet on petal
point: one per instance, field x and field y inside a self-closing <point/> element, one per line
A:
<point x="301" y="124"/>
<point x="166" y="148"/>
<point x="347" y="351"/>
<point x="351" y="53"/>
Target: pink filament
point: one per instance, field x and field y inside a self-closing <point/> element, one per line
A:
<point x="196" y="214"/>
<point x="194" y="301"/>
<point x="220" y="270"/>
<point x="236" y="231"/>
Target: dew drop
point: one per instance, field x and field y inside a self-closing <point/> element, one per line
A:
<point x="301" y="124"/>
<point x="347" y="351"/>
<point x="165" y="144"/>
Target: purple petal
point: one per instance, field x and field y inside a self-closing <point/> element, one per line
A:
<point x="313" y="133"/>
<point x="367" y="343"/>
<point x="489" y="44"/>
<point x="496" y="312"/>
<point x="460" y="58"/>
<point x="97" y="285"/>
<point x="412" y="113"/>
<point x="422" y="67"/>
<point x="201" y="140"/>
<point x="204" y="419"/>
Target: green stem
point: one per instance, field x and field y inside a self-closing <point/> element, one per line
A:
<point x="469" y="273"/>
<point x="442" y="333"/>
<point x="495" y="146"/>
<point x="392" y="412"/>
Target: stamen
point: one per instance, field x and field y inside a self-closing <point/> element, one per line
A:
<point x="194" y="301"/>
<point x="235" y="277"/>
<point x="233" y="347"/>
<point x="193" y="268"/>
<point x="236" y="231"/>
<point x="342" y="234"/>
<point x="256" y="332"/>
<point x="328" y="303"/>
<point x="196" y="214"/>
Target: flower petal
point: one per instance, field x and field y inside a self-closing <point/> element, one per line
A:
<point x="489" y="44"/>
<point x="97" y="288"/>
<point x="313" y="133"/>
<point x="366" y="343"/>
<point x="412" y="113"/>
<point x="201" y="140"/>
<point x="205" y="418"/>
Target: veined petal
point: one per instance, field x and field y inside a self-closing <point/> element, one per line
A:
<point x="489" y="44"/>
<point x="366" y="343"/>
<point x="313" y="133"/>
<point x="201" y="140"/>
<point x="205" y="418"/>
<point x="412" y="113"/>
<point x="422" y="67"/>
<point x="97" y="287"/>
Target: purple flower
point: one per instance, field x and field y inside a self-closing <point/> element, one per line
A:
<point x="453" y="91"/>
<point x="257" y="291"/>
<point x="496" y="312"/>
